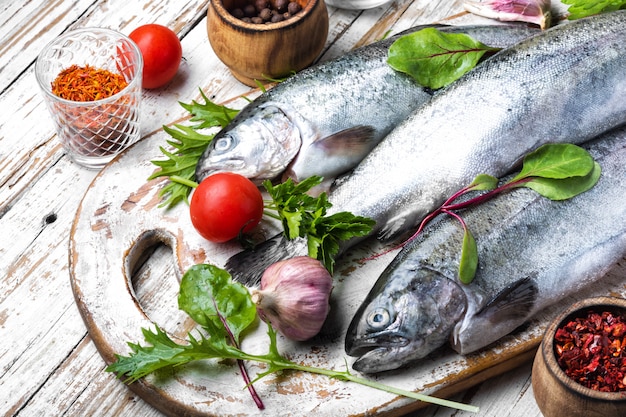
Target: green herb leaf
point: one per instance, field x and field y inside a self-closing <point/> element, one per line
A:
<point x="163" y="353"/>
<point x="330" y="231"/>
<point x="188" y="144"/>
<point x="483" y="182"/>
<point x="208" y="114"/>
<point x="436" y="59"/>
<point x="563" y="189"/>
<point x="305" y="216"/>
<point x="557" y="161"/>
<point x="208" y="292"/>
<point x="582" y="8"/>
<point x="556" y="171"/>
<point x="469" y="258"/>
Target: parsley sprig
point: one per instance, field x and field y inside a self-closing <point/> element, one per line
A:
<point x="223" y="307"/>
<point x="305" y="216"/>
<point x="189" y="144"/>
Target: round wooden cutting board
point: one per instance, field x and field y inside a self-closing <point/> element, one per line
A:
<point x="117" y="223"/>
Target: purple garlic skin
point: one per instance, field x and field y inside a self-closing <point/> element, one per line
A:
<point x="530" y="11"/>
<point x="294" y="297"/>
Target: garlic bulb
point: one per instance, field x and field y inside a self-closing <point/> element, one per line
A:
<point x="530" y="11"/>
<point x="294" y="297"/>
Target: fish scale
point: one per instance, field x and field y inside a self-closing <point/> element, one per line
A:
<point x="532" y="253"/>
<point x="563" y="85"/>
<point x="559" y="86"/>
<point x="324" y="119"/>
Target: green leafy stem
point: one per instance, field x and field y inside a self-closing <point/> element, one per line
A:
<point x="557" y="171"/>
<point x="189" y="144"/>
<point x="436" y="59"/>
<point x="224" y="309"/>
<point x="305" y="216"/>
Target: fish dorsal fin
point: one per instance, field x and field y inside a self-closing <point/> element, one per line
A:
<point x="513" y="302"/>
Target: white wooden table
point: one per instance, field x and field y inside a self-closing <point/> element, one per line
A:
<point x="49" y="365"/>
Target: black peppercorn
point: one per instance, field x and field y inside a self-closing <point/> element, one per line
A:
<point x="265" y="14"/>
<point x="263" y="11"/>
<point x="277" y="18"/>
<point x="281" y="5"/>
<point x="261" y="4"/>
<point x="249" y="10"/>
<point x="293" y="8"/>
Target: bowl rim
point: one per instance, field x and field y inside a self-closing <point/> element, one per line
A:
<point x="58" y="41"/>
<point x="239" y="24"/>
<point x="547" y="346"/>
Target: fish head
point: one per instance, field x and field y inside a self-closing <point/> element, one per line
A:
<point x="403" y="320"/>
<point x="259" y="144"/>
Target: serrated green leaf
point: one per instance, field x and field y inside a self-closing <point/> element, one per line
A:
<point x="189" y="145"/>
<point x="469" y="258"/>
<point x="293" y="222"/>
<point x="582" y="8"/>
<point x="209" y="114"/>
<point x="162" y="352"/>
<point x="556" y="161"/>
<point x="305" y="216"/>
<point x="563" y="189"/>
<point x="435" y="59"/>
<point x="314" y="245"/>
<point x="208" y="292"/>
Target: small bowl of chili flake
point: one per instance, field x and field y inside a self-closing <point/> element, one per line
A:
<point x="580" y="367"/>
<point x="91" y="82"/>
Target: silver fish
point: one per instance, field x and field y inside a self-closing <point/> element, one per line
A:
<point x="566" y="84"/>
<point x="532" y="252"/>
<point x="325" y="119"/>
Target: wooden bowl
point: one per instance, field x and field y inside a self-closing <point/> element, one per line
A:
<point x="266" y="51"/>
<point x="555" y="392"/>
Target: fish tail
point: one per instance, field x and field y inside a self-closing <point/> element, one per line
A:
<point x="247" y="267"/>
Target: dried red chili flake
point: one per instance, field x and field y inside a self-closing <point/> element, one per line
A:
<point x="87" y="83"/>
<point x="590" y="350"/>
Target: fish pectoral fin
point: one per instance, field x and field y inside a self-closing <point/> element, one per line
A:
<point x="349" y="145"/>
<point x="499" y="317"/>
<point x="358" y="139"/>
<point x="514" y="302"/>
<point x="332" y="155"/>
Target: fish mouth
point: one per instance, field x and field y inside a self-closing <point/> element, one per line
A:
<point x="375" y="355"/>
<point x="231" y="165"/>
<point x="364" y="345"/>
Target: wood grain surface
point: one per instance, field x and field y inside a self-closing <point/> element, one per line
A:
<point x="50" y="364"/>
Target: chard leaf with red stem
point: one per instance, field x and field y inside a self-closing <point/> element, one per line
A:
<point x="557" y="171"/>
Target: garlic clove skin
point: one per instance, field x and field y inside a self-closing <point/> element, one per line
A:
<point x="530" y="11"/>
<point x="294" y="297"/>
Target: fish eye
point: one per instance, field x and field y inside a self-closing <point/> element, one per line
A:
<point x="223" y="144"/>
<point x="379" y="318"/>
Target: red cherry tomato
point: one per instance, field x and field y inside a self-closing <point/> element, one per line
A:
<point x="224" y="205"/>
<point x="161" y="51"/>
